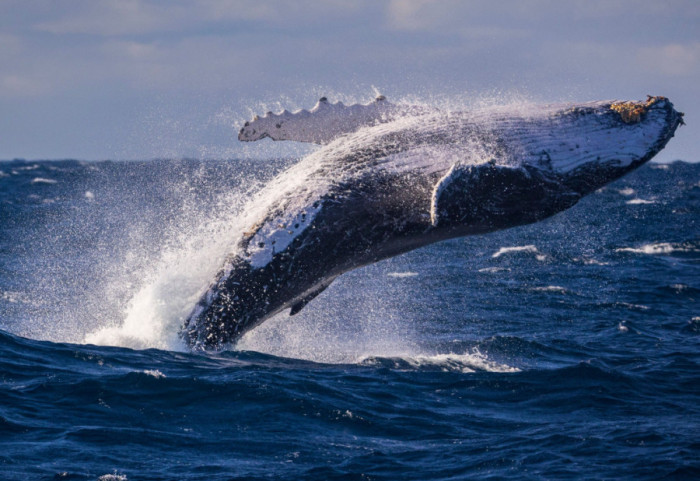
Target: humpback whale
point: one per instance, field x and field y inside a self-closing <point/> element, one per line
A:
<point x="389" y="178"/>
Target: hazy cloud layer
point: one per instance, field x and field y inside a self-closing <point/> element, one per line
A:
<point x="142" y="79"/>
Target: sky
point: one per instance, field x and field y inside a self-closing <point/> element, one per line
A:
<point x="143" y="79"/>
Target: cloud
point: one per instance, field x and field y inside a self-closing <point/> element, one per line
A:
<point x="148" y="17"/>
<point x="134" y="55"/>
<point x="672" y="60"/>
<point x="21" y="86"/>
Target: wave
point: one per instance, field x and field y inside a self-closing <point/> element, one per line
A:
<point x="627" y="191"/>
<point x="639" y="201"/>
<point x="112" y="477"/>
<point x="402" y="274"/>
<point x="527" y="249"/>
<point x="557" y="289"/>
<point x="465" y="363"/>
<point x="658" y="248"/>
<point x="493" y="270"/>
<point x="43" y="180"/>
<point x="589" y="261"/>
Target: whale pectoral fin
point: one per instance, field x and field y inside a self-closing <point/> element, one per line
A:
<point x="324" y="122"/>
<point x="490" y="196"/>
<point x="298" y="306"/>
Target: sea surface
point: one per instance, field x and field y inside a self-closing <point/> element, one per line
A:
<point x="568" y="349"/>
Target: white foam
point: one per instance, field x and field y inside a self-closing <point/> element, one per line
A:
<point x="528" y="249"/>
<point x="466" y="363"/>
<point x="155" y="373"/>
<point x="113" y="477"/>
<point x="493" y="270"/>
<point x="402" y="274"/>
<point x="657" y="248"/>
<point x="43" y="180"/>
<point x="627" y="191"/>
<point x="557" y="289"/>
<point x="640" y="307"/>
<point x="509" y="250"/>
<point x="640" y="202"/>
<point x="15" y="297"/>
<point x="589" y="261"/>
<point x="173" y="283"/>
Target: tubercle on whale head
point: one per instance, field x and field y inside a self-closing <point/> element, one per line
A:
<point x="631" y="112"/>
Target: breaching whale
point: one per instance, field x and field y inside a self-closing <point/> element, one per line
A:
<point x="391" y="178"/>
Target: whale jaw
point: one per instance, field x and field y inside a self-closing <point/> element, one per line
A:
<point x="642" y="130"/>
<point x="590" y="145"/>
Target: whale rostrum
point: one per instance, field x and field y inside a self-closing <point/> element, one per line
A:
<point x="390" y="178"/>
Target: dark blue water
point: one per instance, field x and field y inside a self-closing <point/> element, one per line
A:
<point x="569" y="349"/>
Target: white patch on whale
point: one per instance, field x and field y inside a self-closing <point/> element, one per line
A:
<point x="276" y="235"/>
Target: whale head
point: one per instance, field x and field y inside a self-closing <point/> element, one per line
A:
<point x="589" y="145"/>
<point x="553" y="156"/>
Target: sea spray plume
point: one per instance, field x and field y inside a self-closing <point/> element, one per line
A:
<point x="393" y="178"/>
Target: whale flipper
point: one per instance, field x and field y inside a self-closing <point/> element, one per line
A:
<point x="308" y="298"/>
<point x="324" y="122"/>
<point x="493" y="195"/>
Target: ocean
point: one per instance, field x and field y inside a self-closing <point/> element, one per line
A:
<point x="566" y="349"/>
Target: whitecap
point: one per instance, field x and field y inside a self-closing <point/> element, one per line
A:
<point x="15" y="297"/>
<point x="402" y="274"/>
<point x="657" y="248"/>
<point x="493" y="270"/>
<point x="589" y="261"/>
<point x="112" y="477"/>
<point x="557" y="289"/>
<point x="465" y="363"/>
<point x="43" y="180"/>
<point x="29" y="167"/>
<point x="638" y="201"/>
<point x="155" y="373"/>
<point x="640" y="307"/>
<point x="627" y="191"/>
<point x="528" y="249"/>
